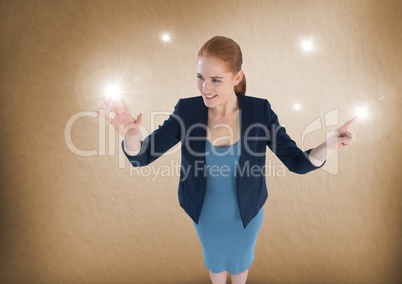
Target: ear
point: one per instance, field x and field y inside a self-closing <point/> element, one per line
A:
<point x="238" y="77"/>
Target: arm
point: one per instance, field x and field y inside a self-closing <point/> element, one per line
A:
<point x="285" y="148"/>
<point x="319" y="154"/>
<point x="342" y="137"/>
<point x="157" y="143"/>
<point x="132" y="144"/>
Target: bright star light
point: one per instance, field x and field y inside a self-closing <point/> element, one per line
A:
<point x="361" y="112"/>
<point x="113" y="91"/>
<point x="307" y="45"/>
<point x="166" y="38"/>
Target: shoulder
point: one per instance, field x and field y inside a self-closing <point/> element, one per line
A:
<point x="257" y="104"/>
<point x="187" y="103"/>
<point x="190" y="106"/>
<point x="191" y="100"/>
<point x="253" y="100"/>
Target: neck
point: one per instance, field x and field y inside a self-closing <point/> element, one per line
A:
<point x="227" y="107"/>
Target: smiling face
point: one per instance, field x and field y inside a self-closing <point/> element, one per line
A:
<point x="215" y="82"/>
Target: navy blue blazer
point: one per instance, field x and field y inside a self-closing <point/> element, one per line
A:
<point x="259" y="128"/>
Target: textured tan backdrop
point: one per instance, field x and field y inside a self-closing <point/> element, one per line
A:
<point x="69" y="218"/>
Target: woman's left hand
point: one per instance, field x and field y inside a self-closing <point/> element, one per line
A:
<point x="342" y="137"/>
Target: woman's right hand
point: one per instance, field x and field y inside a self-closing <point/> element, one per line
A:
<point x="123" y="122"/>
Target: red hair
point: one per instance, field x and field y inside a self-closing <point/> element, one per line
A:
<point x="229" y="52"/>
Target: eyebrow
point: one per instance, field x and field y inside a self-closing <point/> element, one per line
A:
<point x="214" y="77"/>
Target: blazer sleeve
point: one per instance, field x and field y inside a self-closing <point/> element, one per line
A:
<point x="159" y="141"/>
<point x="284" y="147"/>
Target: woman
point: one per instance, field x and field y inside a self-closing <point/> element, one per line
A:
<point x="224" y="134"/>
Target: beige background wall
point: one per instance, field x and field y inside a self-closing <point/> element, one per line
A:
<point x="68" y="218"/>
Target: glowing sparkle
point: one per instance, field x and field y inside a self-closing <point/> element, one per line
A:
<point x="361" y="112"/>
<point x="307" y="45"/>
<point x="113" y="91"/>
<point x="166" y="38"/>
<point x="297" y="106"/>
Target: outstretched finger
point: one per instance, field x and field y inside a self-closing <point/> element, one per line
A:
<point x="125" y="106"/>
<point x="349" y="123"/>
<point x="104" y="116"/>
<point x="116" y="107"/>
<point x="109" y="104"/>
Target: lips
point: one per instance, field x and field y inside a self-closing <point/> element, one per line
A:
<point x="210" y="97"/>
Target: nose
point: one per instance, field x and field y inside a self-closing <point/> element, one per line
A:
<point x="205" y="87"/>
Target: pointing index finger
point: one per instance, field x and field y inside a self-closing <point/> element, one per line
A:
<point x="348" y="124"/>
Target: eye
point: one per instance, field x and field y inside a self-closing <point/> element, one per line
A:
<point x="216" y="81"/>
<point x="199" y="77"/>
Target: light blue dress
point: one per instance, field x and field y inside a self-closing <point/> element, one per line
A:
<point x="226" y="245"/>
